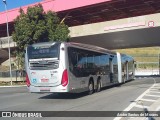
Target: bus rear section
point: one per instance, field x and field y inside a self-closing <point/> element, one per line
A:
<point x="45" y="68"/>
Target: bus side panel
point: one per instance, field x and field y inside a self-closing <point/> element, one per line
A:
<point x="119" y="61"/>
<point x="115" y="69"/>
<point x="62" y="66"/>
<point x="27" y="68"/>
<point x="74" y="76"/>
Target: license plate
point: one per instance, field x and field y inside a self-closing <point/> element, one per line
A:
<point x="45" y="89"/>
<point x="45" y="80"/>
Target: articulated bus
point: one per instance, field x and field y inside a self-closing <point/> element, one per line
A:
<point x="73" y="67"/>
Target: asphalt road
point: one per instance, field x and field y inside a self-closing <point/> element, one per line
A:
<point x="115" y="98"/>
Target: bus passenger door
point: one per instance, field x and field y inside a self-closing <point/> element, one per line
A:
<point x="111" y="75"/>
<point x="125" y="71"/>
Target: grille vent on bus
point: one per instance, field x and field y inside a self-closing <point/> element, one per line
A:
<point x="43" y="65"/>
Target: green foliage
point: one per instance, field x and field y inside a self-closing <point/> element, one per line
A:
<point x="37" y="26"/>
<point x="56" y="32"/>
<point x="147" y="57"/>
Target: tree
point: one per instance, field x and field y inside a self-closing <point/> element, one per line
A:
<point x="56" y="32"/>
<point x="37" y="26"/>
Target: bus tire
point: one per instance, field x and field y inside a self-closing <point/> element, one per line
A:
<point x="98" y="86"/>
<point x="90" y="87"/>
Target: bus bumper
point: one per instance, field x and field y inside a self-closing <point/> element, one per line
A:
<point x="48" y="89"/>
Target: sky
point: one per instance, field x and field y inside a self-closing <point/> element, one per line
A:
<point x="16" y="3"/>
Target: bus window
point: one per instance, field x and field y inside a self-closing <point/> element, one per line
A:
<point x="50" y="51"/>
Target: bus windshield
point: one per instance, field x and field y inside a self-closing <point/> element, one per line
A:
<point x="43" y="51"/>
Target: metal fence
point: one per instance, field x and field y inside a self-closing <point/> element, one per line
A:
<point x="15" y="73"/>
<point x="147" y="68"/>
<point x="147" y="64"/>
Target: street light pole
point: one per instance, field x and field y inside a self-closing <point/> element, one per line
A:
<point x="159" y="60"/>
<point x="9" y="51"/>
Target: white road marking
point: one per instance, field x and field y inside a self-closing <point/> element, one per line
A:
<point x="149" y="100"/>
<point x="153" y="92"/>
<point x="158" y="109"/>
<point x="153" y="88"/>
<point x="137" y="100"/>
<point x="152" y="95"/>
<point x="157" y="86"/>
<point x="141" y="106"/>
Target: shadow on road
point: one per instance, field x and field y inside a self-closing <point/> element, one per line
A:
<point x="64" y="95"/>
<point x="73" y="95"/>
<point x="132" y="83"/>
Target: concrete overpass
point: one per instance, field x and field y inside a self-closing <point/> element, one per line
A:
<point x="110" y="24"/>
<point x="141" y="31"/>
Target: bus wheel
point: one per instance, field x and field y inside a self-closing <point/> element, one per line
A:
<point x="90" y="87"/>
<point x="98" y="86"/>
